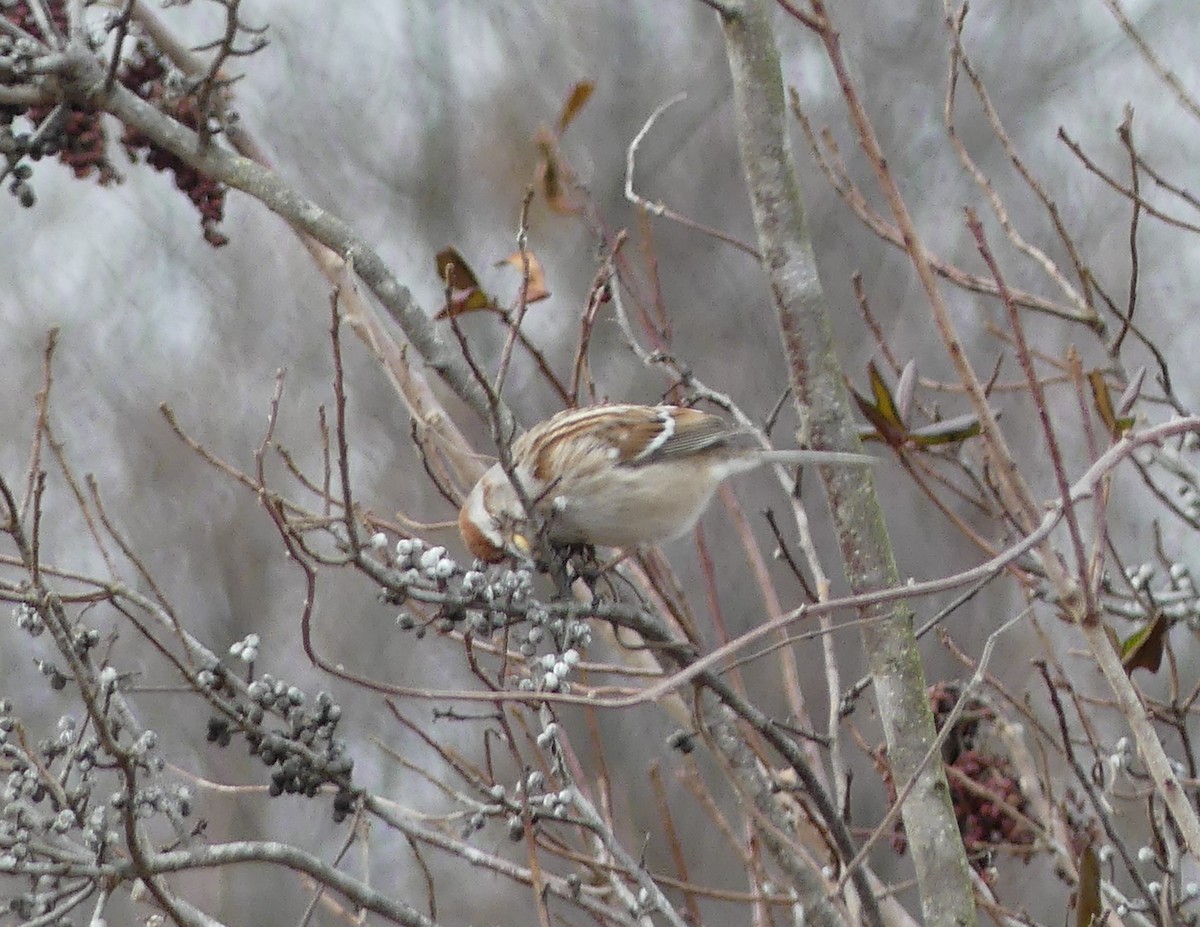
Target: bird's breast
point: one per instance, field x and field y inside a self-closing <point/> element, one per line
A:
<point x="628" y="506"/>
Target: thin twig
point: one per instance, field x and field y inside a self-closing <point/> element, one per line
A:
<point x="1165" y="74"/>
<point x="120" y="31"/>
<point x="339" y="428"/>
<point x="42" y="404"/>
<point x="837" y="175"/>
<point x="1149" y="208"/>
<point x="516" y="319"/>
<point x="659" y="208"/>
<point x="959" y="58"/>
<point x="1125" y="133"/>
<point x="1067" y="586"/>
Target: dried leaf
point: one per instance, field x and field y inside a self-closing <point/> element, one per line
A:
<point x="1088" y="910"/>
<point x="576" y="100"/>
<point x="463" y="292"/>
<point x="454" y="271"/>
<point x="1143" y="649"/>
<point x="535" y="289"/>
<point x="549" y="178"/>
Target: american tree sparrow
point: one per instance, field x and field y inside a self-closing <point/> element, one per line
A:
<point x="614" y="476"/>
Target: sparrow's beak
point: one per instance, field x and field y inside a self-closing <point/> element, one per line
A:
<point x="522" y="545"/>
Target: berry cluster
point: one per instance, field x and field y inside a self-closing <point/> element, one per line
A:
<point x="487" y="602"/>
<point x="62" y="802"/>
<point x="500" y="604"/>
<point x="983" y="786"/>
<point x="985" y="817"/>
<point x="77" y="137"/>
<point x="303" y="750"/>
<point x="146" y="74"/>
<point x="532" y="798"/>
<point x="1173" y="596"/>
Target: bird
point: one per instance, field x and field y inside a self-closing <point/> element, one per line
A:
<point x="623" y="476"/>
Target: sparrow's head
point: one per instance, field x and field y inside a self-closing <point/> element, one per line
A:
<point x="492" y="520"/>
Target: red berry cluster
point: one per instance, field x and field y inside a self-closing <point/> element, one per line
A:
<point x="145" y="74"/>
<point x="82" y="145"/>
<point x="80" y="140"/>
<point x="984" y="813"/>
<point x="983" y="786"/>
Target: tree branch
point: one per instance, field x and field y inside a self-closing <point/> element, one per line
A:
<point x="84" y="83"/>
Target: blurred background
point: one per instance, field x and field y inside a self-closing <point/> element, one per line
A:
<point x="414" y="122"/>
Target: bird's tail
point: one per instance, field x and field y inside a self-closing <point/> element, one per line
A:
<point x="794" y="456"/>
<point x="805" y="456"/>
